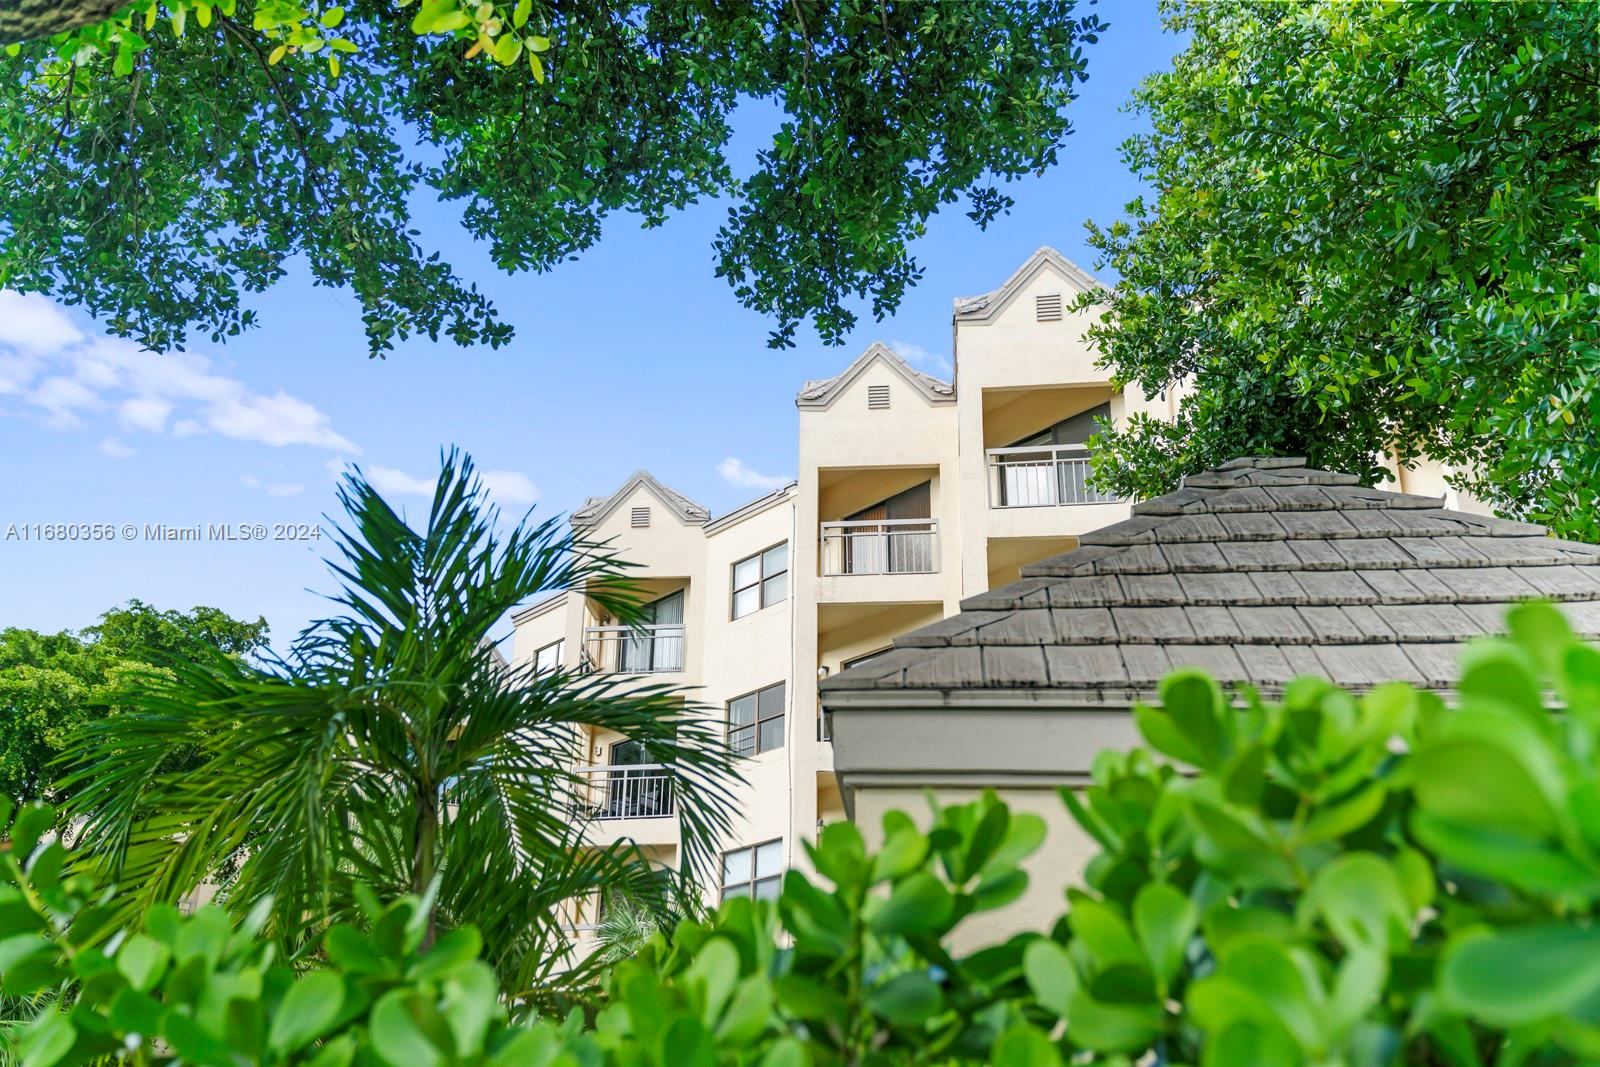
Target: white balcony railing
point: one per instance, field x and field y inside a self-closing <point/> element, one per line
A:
<point x="1034" y="476"/>
<point x="647" y="649"/>
<point x="633" y="791"/>
<point x="880" y="546"/>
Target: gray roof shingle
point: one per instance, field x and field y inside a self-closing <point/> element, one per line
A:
<point x="1259" y="571"/>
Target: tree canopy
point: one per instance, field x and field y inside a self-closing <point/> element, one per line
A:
<point x="51" y="684"/>
<point x="162" y="164"/>
<point x="1373" y="226"/>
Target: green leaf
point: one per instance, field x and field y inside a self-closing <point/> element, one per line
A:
<point x="1024" y="1046"/>
<point x="47" y="1040"/>
<point x="1332" y="821"/>
<point x="919" y="905"/>
<point x="1360" y="897"/>
<point x="1253" y="1044"/>
<point x="906" y="1000"/>
<point x="716" y="967"/>
<point x="400" y="1036"/>
<point x="1112" y="1027"/>
<point x="307" y="1012"/>
<point x="749" y="1013"/>
<point x="1165" y="920"/>
<point x="1509" y="979"/>
<point x="1200" y="713"/>
<point x="903" y="852"/>
<point x="142" y="960"/>
<point x="1102" y="930"/>
<point x="804" y="999"/>
<point x="1051" y="975"/>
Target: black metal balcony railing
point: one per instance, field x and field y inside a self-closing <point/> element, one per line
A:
<point x="635" y="791"/>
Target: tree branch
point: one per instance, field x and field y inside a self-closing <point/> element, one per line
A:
<point x="26" y="20"/>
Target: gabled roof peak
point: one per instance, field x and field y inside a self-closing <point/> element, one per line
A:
<point x="987" y="305"/>
<point x="819" y="392"/>
<point x="596" y="508"/>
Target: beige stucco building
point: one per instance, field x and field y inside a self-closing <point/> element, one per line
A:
<point x="913" y="493"/>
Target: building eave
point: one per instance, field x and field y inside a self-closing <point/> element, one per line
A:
<point x="822" y="393"/>
<point x="750" y="510"/>
<point x="597" y="510"/>
<point x="987" y="306"/>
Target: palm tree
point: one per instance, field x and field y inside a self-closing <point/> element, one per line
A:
<point x="395" y="752"/>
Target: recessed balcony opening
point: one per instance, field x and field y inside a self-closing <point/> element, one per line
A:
<point x="1035" y="442"/>
<point x="652" y="645"/>
<point x="626" y="787"/>
<point x="878" y="521"/>
<point x="1008" y="555"/>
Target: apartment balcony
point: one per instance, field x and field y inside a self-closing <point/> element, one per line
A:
<point x="1042" y="476"/>
<point x="635" y="801"/>
<point x="880" y="546"/>
<point x="879" y="560"/>
<point x="650" y="648"/>
<point x="1038" y="491"/>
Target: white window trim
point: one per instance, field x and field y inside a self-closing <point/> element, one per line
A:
<point x="762" y="603"/>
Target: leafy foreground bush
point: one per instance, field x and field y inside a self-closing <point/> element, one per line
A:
<point x="1341" y="880"/>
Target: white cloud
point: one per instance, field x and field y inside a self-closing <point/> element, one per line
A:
<point x="285" y="489"/>
<point x="115" y="448"/>
<point x="33" y="322"/>
<point x="145" y="413"/>
<point x="510" y="488"/>
<point x="62" y="399"/>
<point x="250" y="481"/>
<point x="392" y="482"/>
<point x="276" y="420"/>
<point x="16" y="372"/>
<point x="37" y="340"/>
<point x="734" y="472"/>
<point x="922" y="359"/>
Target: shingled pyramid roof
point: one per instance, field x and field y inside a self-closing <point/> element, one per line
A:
<point x="1260" y="571"/>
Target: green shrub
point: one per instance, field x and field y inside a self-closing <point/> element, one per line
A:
<point x="1327" y="880"/>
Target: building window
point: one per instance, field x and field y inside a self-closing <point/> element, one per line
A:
<point x="877" y="397"/>
<point x="755" y="721"/>
<point x="753" y="872"/>
<point x="548" y="658"/>
<point x="761" y="580"/>
<point x="1047" y="308"/>
<point x="641" y="517"/>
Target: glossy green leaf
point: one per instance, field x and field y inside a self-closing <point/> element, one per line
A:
<point x="1165" y="919"/>
<point x="1051" y="974"/>
<point x="307" y="1012"/>
<point x="907" y="999"/>
<point x="1521" y="976"/>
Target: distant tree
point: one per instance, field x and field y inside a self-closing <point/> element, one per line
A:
<point x="161" y="162"/>
<point x="51" y="684"/>
<point x="1373" y="225"/>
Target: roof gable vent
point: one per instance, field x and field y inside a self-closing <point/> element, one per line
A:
<point x="877" y="396"/>
<point x="1047" y="307"/>
<point x="641" y="517"/>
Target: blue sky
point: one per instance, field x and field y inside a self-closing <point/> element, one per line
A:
<point x="633" y="356"/>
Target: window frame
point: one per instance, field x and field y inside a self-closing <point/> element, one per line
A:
<point x="747" y="887"/>
<point x="757" y="720"/>
<point x="761" y="583"/>
<point x="559" y="644"/>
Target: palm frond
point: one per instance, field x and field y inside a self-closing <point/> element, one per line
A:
<point x="392" y="746"/>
